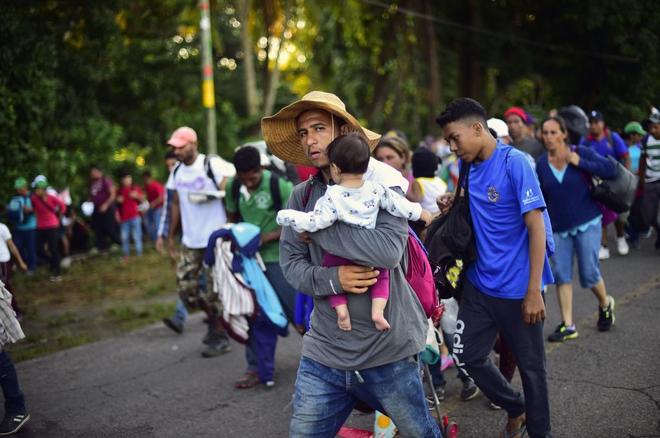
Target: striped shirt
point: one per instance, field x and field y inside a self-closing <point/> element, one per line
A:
<point x="652" y="159"/>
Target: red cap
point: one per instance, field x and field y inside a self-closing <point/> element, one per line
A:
<point x="182" y="136"/>
<point x="516" y="111"/>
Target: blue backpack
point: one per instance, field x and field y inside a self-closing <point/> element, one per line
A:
<point x="15" y="214"/>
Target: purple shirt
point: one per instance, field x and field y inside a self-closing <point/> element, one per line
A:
<point x="99" y="190"/>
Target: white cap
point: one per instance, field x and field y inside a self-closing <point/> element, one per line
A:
<point x="499" y="126"/>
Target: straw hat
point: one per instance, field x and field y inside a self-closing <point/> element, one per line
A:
<point x="280" y="131"/>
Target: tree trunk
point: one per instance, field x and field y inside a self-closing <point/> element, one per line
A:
<point x="435" y="84"/>
<point x="273" y="78"/>
<point x="249" y="73"/>
<point x="471" y="69"/>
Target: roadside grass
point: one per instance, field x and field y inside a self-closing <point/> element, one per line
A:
<point x="99" y="297"/>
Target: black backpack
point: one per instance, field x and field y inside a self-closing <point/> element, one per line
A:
<point x="275" y="194"/>
<point x="207" y="167"/>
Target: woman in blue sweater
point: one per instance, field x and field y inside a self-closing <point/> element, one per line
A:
<point x="565" y="175"/>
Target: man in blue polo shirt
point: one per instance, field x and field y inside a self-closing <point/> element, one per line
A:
<point x="504" y="287"/>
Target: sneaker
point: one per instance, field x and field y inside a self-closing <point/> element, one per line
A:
<point x="446" y="362"/>
<point x="217" y="348"/>
<point x="606" y="316"/>
<point x="494" y="407"/>
<point x="603" y="253"/>
<point x="563" y="333"/>
<point x="12" y="423"/>
<point x="55" y="278"/>
<point x="622" y="246"/>
<point x="269" y="384"/>
<point x="173" y="325"/>
<point x="469" y="390"/>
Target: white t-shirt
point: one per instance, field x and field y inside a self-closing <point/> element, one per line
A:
<point x="431" y="189"/>
<point x="199" y="220"/>
<point x="356" y="206"/>
<point x="385" y="174"/>
<point x="5" y="235"/>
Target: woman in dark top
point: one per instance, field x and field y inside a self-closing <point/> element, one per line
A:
<point x="565" y="176"/>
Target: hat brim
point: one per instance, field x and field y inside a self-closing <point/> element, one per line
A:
<point x="177" y="142"/>
<point x="281" y="133"/>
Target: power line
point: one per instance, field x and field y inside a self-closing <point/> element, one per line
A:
<point x="397" y="9"/>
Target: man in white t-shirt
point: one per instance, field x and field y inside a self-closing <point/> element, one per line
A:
<point x="197" y="205"/>
<point x="7" y="249"/>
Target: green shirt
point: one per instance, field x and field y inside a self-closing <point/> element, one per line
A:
<point x="259" y="210"/>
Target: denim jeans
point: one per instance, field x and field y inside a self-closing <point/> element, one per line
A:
<point x="584" y="245"/>
<point x="131" y="228"/>
<point x="14" y="400"/>
<point x="152" y="219"/>
<point x="26" y="242"/>
<point x="324" y="398"/>
<point x="260" y="349"/>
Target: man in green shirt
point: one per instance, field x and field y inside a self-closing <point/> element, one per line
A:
<point x="259" y="195"/>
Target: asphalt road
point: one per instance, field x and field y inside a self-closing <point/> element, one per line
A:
<point x="153" y="383"/>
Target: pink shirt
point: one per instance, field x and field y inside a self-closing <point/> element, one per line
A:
<point x="46" y="211"/>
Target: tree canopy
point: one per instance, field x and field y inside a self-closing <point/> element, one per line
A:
<point x="107" y="82"/>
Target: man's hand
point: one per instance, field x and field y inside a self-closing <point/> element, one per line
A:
<point x="357" y="279"/>
<point x="160" y="242"/>
<point x="426" y="216"/>
<point x="574" y="158"/>
<point x="305" y="237"/>
<point x="171" y="248"/>
<point x="23" y="266"/>
<point x="533" y="308"/>
<point x="445" y="202"/>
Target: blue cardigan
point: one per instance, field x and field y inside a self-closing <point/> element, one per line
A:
<point x="569" y="202"/>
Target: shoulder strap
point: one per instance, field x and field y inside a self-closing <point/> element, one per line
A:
<point x="236" y="196"/>
<point x="176" y="169"/>
<point x="307" y="193"/>
<point x="275" y="193"/>
<point x="48" y="206"/>
<point x="209" y="170"/>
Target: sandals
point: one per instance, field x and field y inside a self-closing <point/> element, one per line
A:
<point x="248" y="380"/>
<point x="516" y="433"/>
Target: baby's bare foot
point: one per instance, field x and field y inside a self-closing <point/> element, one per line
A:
<point x="343" y="319"/>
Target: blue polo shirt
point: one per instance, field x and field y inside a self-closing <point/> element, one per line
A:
<point x="502" y="189"/>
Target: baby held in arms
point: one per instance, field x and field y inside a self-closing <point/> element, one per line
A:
<point x="354" y="201"/>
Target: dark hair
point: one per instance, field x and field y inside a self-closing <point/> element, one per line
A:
<point x="350" y="153"/>
<point x="123" y="173"/>
<point x="170" y="154"/>
<point x="146" y="173"/>
<point x="462" y="108"/>
<point x="94" y="166"/>
<point x="247" y="159"/>
<point x="560" y="121"/>
<point x="424" y="163"/>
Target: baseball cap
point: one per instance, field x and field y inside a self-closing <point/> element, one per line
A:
<point x="20" y="183"/>
<point x="499" y="126"/>
<point x="634" y="128"/>
<point x="39" y="179"/>
<point x="596" y="115"/>
<point x="654" y="118"/>
<point x="516" y="111"/>
<point x="182" y="136"/>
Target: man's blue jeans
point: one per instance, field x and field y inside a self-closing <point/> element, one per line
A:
<point x="14" y="400"/>
<point x="131" y="228"/>
<point x="152" y="219"/>
<point x="26" y="242"/>
<point x="324" y="398"/>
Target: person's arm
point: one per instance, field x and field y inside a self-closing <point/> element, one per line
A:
<point x="137" y="194"/>
<point x="593" y="163"/>
<point x="111" y="199"/>
<point x="382" y="246"/>
<point x="415" y="192"/>
<point x="621" y="150"/>
<point x="318" y="281"/>
<point x="533" y="308"/>
<point x="17" y="255"/>
<point x="164" y="224"/>
<point x="323" y="215"/>
<point x="398" y="205"/>
<point x="176" y="217"/>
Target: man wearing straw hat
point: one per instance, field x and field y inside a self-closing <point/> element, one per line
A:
<point x="339" y="368"/>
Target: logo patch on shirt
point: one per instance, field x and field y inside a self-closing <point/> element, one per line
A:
<point x="530" y="197"/>
<point x="493" y="195"/>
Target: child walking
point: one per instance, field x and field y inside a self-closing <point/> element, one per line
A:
<point x="354" y="201"/>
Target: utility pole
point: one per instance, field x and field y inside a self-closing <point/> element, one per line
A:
<point x="208" y="90"/>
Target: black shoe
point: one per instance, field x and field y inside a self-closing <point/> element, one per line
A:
<point x="606" y="316"/>
<point x="12" y="423"/>
<point x="469" y="390"/>
<point x="219" y="345"/>
<point x="563" y="333"/>
<point x="176" y="327"/>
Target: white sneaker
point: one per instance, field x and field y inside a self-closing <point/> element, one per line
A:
<point x="603" y="253"/>
<point x="622" y="246"/>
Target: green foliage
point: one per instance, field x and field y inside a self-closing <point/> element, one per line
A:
<point x="108" y="82"/>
